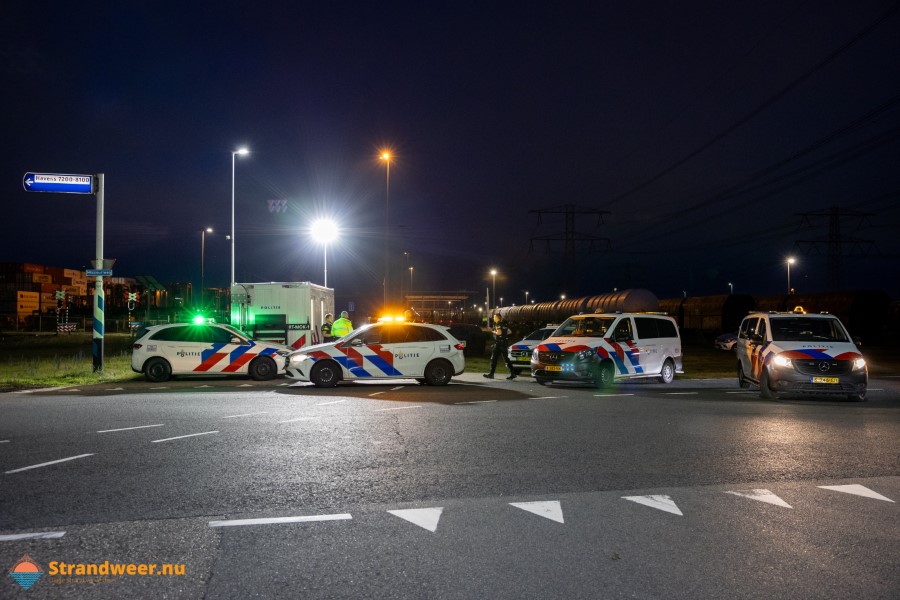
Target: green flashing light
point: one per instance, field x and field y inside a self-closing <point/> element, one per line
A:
<point x="199" y="320"/>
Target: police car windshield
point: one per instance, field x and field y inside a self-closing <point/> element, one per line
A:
<point x="807" y="329"/>
<point x="584" y="327"/>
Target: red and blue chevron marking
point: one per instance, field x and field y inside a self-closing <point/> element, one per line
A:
<point x="353" y="361"/>
<point x="237" y="358"/>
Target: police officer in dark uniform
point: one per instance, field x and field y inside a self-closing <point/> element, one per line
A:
<point x="326" y="328"/>
<point x="502" y="333"/>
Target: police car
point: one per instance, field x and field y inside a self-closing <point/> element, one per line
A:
<point x="520" y="352"/>
<point x="795" y="352"/>
<point x="387" y="350"/>
<point x="204" y="349"/>
<point x="601" y="348"/>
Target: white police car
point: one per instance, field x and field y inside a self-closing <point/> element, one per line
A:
<point x="388" y="350"/>
<point x="520" y="352"/>
<point x="191" y="349"/>
<point x="601" y="348"/>
<point x="795" y="352"/>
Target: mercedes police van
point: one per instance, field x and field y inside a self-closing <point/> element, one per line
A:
<point x="795" y="352"/>
<point x="601" y="348"/>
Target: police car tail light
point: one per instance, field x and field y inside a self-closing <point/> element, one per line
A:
<point x="859" y="364"/>
<point x="138" y="346"/>
<point x="459" y="346"/>
<point x="782" y="361"/>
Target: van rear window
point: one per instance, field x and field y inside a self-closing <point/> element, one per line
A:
<point x="648" y="327"/>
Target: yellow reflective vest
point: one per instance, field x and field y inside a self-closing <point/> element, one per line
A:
<point x="341" y="327"/>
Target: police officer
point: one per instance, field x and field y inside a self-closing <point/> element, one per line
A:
<point x="342" y="326"/>
<point x="326" y="328"/>
<point x="502" y="333"/>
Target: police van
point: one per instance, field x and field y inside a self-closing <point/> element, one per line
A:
<point x="796" y="352"/>
<point x="204" y="349"/>
<point x="601" y="348"/>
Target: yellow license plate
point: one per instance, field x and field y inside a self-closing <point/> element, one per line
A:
<point x="553" y="368"/>
<point x="523" y="358"/>
<point x="826" y="380"/>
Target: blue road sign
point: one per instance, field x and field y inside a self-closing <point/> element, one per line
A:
<point x="98" y="273"/>
<point x="59" y="183"/>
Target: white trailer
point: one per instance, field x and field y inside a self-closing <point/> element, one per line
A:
<point x="289" y="313"/>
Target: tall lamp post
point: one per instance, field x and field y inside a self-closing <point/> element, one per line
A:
<point x="203" y="233"/>
<point x="386" y="157"/>
<point x="241" y="152"/>
<point x="494" y="287"/>
<point x="324" y="231"/>
<point x="790" y="261"/>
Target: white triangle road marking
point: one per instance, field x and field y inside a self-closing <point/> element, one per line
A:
<point x="762" y="496"/>
<point x="857" y="490"/>
<point x="660" y="502"/>
<point x="547" y="509"/>
<point x="426" y="518"/>
<point x="245" y="385"/>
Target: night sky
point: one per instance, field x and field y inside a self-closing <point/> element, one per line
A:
<point x="705" y="129"/>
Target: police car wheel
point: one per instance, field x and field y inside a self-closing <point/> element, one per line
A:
<point x="667" y="374"/>
<point x="438" y="372"/>
<point x="157" y="370"/>
<point x="262" y="368"/>
<point x="742" y="381"/>
<point x="765" y="392"/>
<point x="324" y="374"/>
<point x="603" y="376"/>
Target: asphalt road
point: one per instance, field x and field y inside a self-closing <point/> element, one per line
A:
<point x="478" y="489"/>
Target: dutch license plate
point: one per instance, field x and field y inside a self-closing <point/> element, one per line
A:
<point x="826" y="380"/>
<point x="523" y="358"/>
<point x="553" y="368"/>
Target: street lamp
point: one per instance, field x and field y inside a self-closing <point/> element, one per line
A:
<point x="501" y="300"/>
<point x="562" y="296"/>
<point x="730" y="288"/>
<point x="386" y="157"/>
<point x="241" y="152"/>
<point x="410" y="280"/>
<point x="526" y="296"/>
<point x="203" y="233"/>
<point x="494" y="286"/>
<point x="790" y="261"/>
<point x="324" y="231"/>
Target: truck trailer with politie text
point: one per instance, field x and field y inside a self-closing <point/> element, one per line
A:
<point x="289" y="313"/>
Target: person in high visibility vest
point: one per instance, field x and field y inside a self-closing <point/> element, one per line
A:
<point x="342" y="326"/>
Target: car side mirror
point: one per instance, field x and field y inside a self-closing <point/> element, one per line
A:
<point x="756" y="338"/>
<point x="236" y="340"/>
<point x="357" y="342"/>
<point x="857" y="341"/>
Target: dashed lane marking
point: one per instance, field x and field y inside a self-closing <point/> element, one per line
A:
<point x="398" y="408"/>
<point x="262" y="412"/>
<point x="118" y="389"/>
<point x="274" y="520"/>
<point x="426" y="518"/>
<point x="399" y="387"/>
<point x="47" y="464"/>
<point x="327" y="403"/>
<point x="477" y="402"/>
<point x="300" y="419"/>
<point x="130" y="428"/>
<point x="742" y="392"/>
<point x="376" y="394"/>
<point x="45" y="535"/>
<point x="181" y="437"/>
<point x="610" y="395"/>
<point x="679" y="393"/>
<point x="546" y="397"/>
<point x="4" y="441"/>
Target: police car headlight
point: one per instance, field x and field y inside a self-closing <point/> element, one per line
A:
<point x="782" y="361"/>
<point x="584" y="354"/>
<point x="859" y="364"/>
<point x="296" y="359"/>
<point x="535" y="355"/>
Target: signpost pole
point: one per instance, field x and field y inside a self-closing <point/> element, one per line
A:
<point x="99" y="300"/>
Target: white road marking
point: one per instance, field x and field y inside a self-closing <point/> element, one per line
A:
<point x="181" y="437"/>
<point x="741" y="392"/>
<point x="876" y="390"/>
<point x="164" y="387"/>
<point x="4" y="441"/>
<point x="245" y="385"/>
<point x="610" y="395"/>
<point x="129" y="428"/>
<point x="300" y="419"/>
<point x="327" y="403"/>
<point x="664" y="503"/>
<point x="376" y="393"/>
<point x="197" y="387"/>
<point x="762" y="496"/>
<point x="679" y="393"/>
<point x="283" y="384"/>
<point x="47" y="464"/>
<point x="399" y="387"/>
<point x="426" y="518"/>
<point x="546" y="397"/>
<point x="398" y="408"/>
<point x="262" y="412"/>
<point x="119" y="389"/>
<point x="477" y="402"/>
<point x="547" y="509"/>
<point x="47" y="535"/>
<point x="857" y="490"/>
<point x="275" y="520"/>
